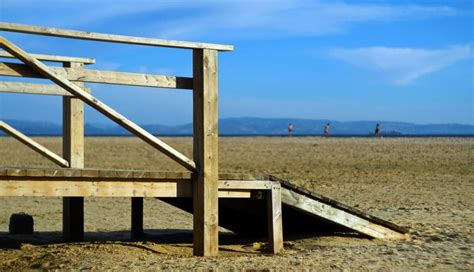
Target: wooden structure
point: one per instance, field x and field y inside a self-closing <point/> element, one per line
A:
<point x="201" y="190"/>
<point x="69" y="82"/>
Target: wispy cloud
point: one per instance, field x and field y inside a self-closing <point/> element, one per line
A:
<point x="263" y="19"/>
<point x="403" y="65"/>
<point x="244" y="18"/>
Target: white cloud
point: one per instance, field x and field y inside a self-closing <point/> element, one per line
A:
<point x="403" y="65"/>
<point x="257" y="19"/>
<point x="198" y="19"/>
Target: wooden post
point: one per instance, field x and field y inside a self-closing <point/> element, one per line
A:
<point x="137" y="217"/>
<point x="274" y="218"/>
<point x="205" y="179"/>
<point x="73" y="152"/>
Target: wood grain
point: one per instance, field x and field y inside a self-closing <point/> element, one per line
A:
<point x="98" y="105"/>
<point x="74" y="34"/>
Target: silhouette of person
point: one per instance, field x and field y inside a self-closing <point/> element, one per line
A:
<point x="377" y="130"/>
<point x="290" y="129"/>
<point x="326" y="130"/>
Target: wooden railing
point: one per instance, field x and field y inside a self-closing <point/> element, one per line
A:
<point x="69" y="83"/>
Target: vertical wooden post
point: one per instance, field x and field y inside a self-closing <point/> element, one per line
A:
<point x="205" y="179"/>
<point x="137" y="217"/>
<point x="274" y="218"/>
<point x="73" y="152"/>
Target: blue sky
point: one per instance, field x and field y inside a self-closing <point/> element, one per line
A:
<point x="343" y="60"/>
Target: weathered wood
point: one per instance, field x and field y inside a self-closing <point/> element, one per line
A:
<point x="33" y="88"/>
<point x="52" y="58"/>
<point x="340" y="206"/>
<point x="73" y="152"/>
<point x="98" y="105"/>
<point x="74" y="188"/>
<point x="74" y="34"/>
<point x="99" y="76"/>
<point x="245" y="184"/>
<point x="73" y="125"/>
<point x="274" y="218"/>
<point x="33" y="145"/>
<point x="205" y="199"/>
<point x="137" y="217"/>
<point x="338" y="216"/>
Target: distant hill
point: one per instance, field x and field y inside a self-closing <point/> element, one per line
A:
<point x="261" y="126"/>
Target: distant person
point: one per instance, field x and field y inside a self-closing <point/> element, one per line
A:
<point x="377" y="130"/>
<point x="326" y="130"/>
<point x="290" y="129"/>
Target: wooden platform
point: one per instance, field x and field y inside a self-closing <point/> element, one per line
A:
<point x="242" y="198"/>
<point x="43" y="182"/>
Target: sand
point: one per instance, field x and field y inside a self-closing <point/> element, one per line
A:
<point x="424" y="184"/>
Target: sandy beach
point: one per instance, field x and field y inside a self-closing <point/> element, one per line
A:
<point x="423" y="184"/>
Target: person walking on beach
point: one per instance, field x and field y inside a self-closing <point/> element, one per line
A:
<point x="377" y="130"/>
<point x="290" y="129"/>
<point x="326" y="130"/>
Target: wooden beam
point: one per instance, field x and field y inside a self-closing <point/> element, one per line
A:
<point x="98" y="105"/>
<point x="98" y="76"/>
<point x="274" y="218"/>
<point x="205" y="199"/>
<point x="52" y="58"/>
<point x="73" y="152"/>
<point x="337" y="216"/>
<point x="245" y="184"/>
<point x="33" y="88"/>
<point x="74" y="187"/>
<point x="33" y="145"/>
<point x="74" y="34"/>
<point x="137" y="217"/>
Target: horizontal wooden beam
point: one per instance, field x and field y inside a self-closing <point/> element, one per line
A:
<point x="117" y="188"/>
<point x="53" y="58"/>
<point x="33" y="145"/>
<point x="99" y="76"/>
<point x="98" y="105"/>
<point x="245" y="184"/>
<point x="33" y="88"/>
<point x="74" y="34"/>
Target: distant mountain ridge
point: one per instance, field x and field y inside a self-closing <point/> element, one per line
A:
<point x="259" y="126"/>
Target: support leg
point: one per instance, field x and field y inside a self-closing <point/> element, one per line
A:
<point x="73" y="152"/>
<point x="137" y="217"/>
<point x="274" y="217"/>
<point x="73" y="219"/>
<point x="205" y="179"/>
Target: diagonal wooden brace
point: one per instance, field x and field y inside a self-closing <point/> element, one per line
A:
<point x="33" y="145"/>
<point x="97" y="104"/>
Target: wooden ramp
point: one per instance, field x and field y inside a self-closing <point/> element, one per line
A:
<point x="304" y="213"/>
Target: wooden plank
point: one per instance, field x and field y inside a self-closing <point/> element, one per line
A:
<point x="274" y="218"/>
<point x="99" y="76"/>
<point x="245" y="184"/>
<point x="52" y="58"/>
<point x="73" y="188"/>
<point x="74" y="34"/>
<point x="205" y="199"/>
<point x="33" y="145"/>
<point x="341" y="206"/>
<point x="137" y="217"/>
<point x="33" y="88"/>
<point x="98" y="105"/>
<point x="73" y="152"/>
<point x="338" y="216"/>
